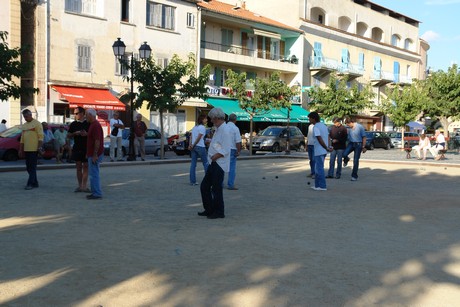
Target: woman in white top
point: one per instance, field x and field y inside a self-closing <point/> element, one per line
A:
<point x="422" y="147"/>
<point x="197" y="147"/>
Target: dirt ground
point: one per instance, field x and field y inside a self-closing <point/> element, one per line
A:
<point x="390" y="239"/>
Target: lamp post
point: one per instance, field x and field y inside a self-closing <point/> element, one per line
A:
<point x="119" y="49"/>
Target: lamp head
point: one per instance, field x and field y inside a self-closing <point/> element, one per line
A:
<point x="145" y="51"/>
<point x="118" y="48"/>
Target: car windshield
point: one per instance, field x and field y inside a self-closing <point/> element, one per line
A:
<point x="10" y="132"/>
<point x="271" y="132"/>
<point x="395" y="135"/>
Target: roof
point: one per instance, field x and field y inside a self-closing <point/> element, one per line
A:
<point x="242" y="13"/>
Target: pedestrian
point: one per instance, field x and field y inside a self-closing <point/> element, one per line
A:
<point x="30" y="144"/>
<point x="311" y="150"/>
<point x="140" y="128"/>
<point x="197" y="147"/>
<point x="116" y="133"/>
<point x="61" y="142"/>
<point x="78" y="131"/>
<point x="94" y="153"/>
<point x="219" y="158"/>
<point x="338" y="140"/>
<point x="356" y="143"/>
<point x="49" y="143"/>
<point x="321" y="149"/>
<point x="234" y="152"/>
<point x="3" y="125"/>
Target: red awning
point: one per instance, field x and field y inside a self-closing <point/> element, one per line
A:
<point x="95" y="98"/>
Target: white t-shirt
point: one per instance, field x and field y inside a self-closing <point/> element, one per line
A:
<point x="320" y="129"/>
<point x="116" y="121"/>
<point x="310" y="136"/>
<point x="235" y="132"/>
<point x="221" y="143"/>
<point x="196" y="131"/>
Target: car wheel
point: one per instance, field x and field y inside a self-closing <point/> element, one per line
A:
<point x="388" y="146"/>
<point x="254" y="152"/>
<point x="276" y="147"/>
<point x="301" y="147"/>
<point x="11" y="155"/>
<point x="157" y="152"/>
<point x="371" y="146"/>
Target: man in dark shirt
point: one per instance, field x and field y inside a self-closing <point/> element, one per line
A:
<point x="94" y="153"/>
<point x="338" y="139"/>
<point x="139" y="136"/>
<point x="78" y="131"/>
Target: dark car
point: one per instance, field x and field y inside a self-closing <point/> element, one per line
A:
<point x="273" y="138"/>
<point x="378" y="139"/>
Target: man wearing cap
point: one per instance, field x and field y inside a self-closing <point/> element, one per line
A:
<point x="338" y="140"/>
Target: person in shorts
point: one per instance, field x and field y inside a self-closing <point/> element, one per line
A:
<point x="78" y="131"/>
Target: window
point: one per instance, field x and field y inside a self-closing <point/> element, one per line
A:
<point x="227" y="39"/>
<point x="190" y="20"/>
<point x="125" y="10"/>
<point x="163" y="63"/>
<point x="122" y="70"/>
<point x="160" y="15"/>
<point x="88" y="7"/>
<point x="84" y="58"/>
<point x="320" y="19"/>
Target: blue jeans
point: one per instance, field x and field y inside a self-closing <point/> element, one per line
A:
<point x="198" y="151"/>
<point x="93" y="171"/>
<point x="356" y="147"/>
<point x="320" y="178"/>
<point x="211" y="190"/>
<point x="336" y="153"/>
<point x="31" y="166"/>
<point x="311" y="156"/>
<point x="232" y="171"/>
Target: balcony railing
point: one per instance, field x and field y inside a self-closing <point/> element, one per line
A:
<point x="259" y="53"/>
<point x="383" y="75"/>
<point x="316" y="63"/>
<point x="351" y="69"/>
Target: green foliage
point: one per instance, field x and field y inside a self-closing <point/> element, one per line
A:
<point x="338" y="100"/>
<point x="404" y="103"/>
<point x="11" y="67"/>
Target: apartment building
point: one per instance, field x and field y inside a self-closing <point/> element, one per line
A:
<point x="71" y="42"/>
<point x="233" y="37"/>
<point x="358" y="38"/>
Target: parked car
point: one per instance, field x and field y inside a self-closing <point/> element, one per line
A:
<point x="378" y="139"/>
<point x="410" y="139"/>
<point x="180" y="144"/>
<point x="273" y="138"/>
<point x="11" y="138"/>
<point x="152" y="142"/>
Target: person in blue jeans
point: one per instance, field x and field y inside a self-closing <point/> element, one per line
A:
<point x="321" y="142"/>
<point x="338" y="139"/>
<point x="235" y="150"/>
<point x="311" y="150"/>
<point x="356" y="143"/>
<point x="94" y="153"/>
<point x="197" y="147"/>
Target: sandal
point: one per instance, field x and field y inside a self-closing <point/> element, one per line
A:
<point x="77" y="190"/>
<point x="86" y="190"/>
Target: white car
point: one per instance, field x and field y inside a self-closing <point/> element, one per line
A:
<point x="152" y="142"/>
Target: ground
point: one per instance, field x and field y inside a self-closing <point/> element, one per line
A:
<point x="389" y="239"/>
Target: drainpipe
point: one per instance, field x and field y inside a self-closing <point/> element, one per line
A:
<point x="47" y="56"/>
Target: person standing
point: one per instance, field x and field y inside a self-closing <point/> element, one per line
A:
<point x="234" y="152"/>
<point x="94" y="153"/>
<point x="356" y="143"/>
<point x="140" y="128"/>
<point x="320" y="150"/>
<point x="311" y="150"/>
<point x="3" y="125"/>
<point x="60" y="139"/>
<point x="49" y="143"/>
<point x="31" y="142"/>
<point x="78" y="131"/>
<point x="116" y="133"/>
<point x="219" y="158"/>
<point x="197" y="147"/>
<point x="338" y="139"/>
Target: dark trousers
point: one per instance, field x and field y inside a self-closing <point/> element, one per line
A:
<point x="31" y="166"/>
<point x="211" y="190"/>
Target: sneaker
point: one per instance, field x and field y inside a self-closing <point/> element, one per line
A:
<point x="345" y="161"/>
<point x="329" y="177"/>
<point x="337" y="177"/>
<point x="193" y="183"/>
<point x="354" y="179"/>
<point x="232" y="188"/>
<point x="28" y="187"/>
<point x="318" y="189"/>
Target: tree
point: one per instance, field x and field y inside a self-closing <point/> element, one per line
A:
<point x="443" y="91"/>
<point x="403" y="104"/>
<point x="165" y="89"/>
<point x="337" y="99"/>
<point x="11" y="67"/>
<point x="269" y="93"/>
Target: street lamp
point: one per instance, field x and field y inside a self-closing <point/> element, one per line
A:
<point x="119" y="49"/>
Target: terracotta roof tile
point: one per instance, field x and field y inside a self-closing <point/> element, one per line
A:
<point x="227" y="9"/>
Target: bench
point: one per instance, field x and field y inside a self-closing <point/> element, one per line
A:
<point x="442" y="154"/>
<point x="408" y="151"/>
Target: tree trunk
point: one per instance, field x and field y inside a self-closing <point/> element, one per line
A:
<point x="162" y="142"/>
<point x="251" y="128"/>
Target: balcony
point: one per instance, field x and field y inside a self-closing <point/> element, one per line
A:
<point x="322" y="66"/>
<point x="237" y="55"/>
<point x="380" y="78"/>
<point x="351" y="70"/>
<point x="405" y="80"/>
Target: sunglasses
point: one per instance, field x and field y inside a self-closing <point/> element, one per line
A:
<point x="76" y="113"/>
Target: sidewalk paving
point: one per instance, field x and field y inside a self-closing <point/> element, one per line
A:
<point x="389" y="239"/>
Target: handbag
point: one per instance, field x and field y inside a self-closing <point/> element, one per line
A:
<point x="114" y="130"/>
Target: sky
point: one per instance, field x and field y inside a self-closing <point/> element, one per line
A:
<point x="439" y="26"/>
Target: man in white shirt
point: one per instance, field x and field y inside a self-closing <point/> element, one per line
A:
<point x="219" y="164"/>
<point x="235" y="150"/>
<point x="321" y="141"/>
<point x="3" y="125"/>
<point x="115" y="139"/>
<point x="311" y="150"/>
<point x="439" y="145"/>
